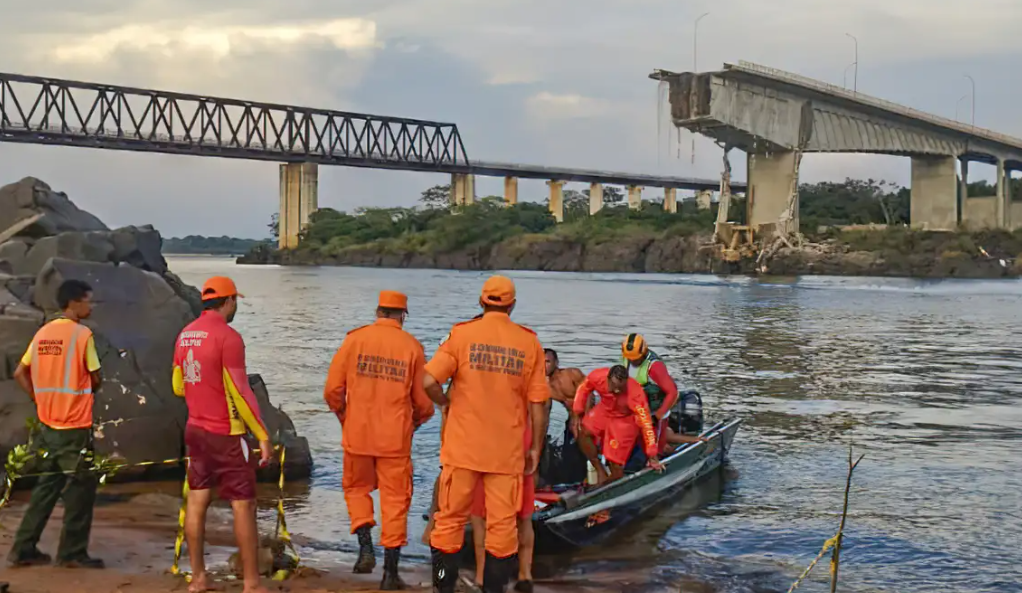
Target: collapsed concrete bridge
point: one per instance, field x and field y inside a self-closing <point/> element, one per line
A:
<point x="775" y="117"/>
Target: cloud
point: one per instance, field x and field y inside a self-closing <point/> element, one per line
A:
<point x="530" y="81"/>
<point x="213" y="42"/>
<point x="568" y="105"/>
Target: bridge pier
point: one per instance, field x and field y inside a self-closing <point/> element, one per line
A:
<point x="463" y="189"/>
<point x="703" y="199"/>
<point x="934" y="200"/>
<point x="770" y="181"/>
<point x="670" y="200"/>
<point x="595" y="198"/>
<point x="634" y="197"/>
<point x="556" y="199"/>
<point x="510" y="191"/>
<point x="299" y="198"/>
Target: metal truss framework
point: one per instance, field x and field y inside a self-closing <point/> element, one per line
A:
<point x="40" y="110"/>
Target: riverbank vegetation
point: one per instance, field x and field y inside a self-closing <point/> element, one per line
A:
<point x="198" y="245"/>
<point x="854" y="216"/>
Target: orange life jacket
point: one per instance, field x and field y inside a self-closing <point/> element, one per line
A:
<point x="60" y="379"/>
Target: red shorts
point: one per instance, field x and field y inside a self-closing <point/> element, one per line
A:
<point x="222" y="461"/>
<point x="528" y="499"/>
<point x="617" y="434"/>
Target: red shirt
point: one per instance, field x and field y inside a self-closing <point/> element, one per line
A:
<point x="209" y="371"/>
<point x="658" y="374"/>
<point x="631" y="403"/>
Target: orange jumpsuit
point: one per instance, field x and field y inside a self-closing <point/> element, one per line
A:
<point x="498" y="369"/>
<point x="375" y="387"/>
<point x="617" y="421"/>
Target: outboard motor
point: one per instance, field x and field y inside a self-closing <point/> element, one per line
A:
<point x="687" y="414"/>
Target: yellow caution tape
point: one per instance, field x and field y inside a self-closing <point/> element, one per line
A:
<point x="827" y="545"/>
<point x="175" y="568"/>
<point x="281" y="531"/>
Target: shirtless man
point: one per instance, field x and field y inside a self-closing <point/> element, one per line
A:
<point x="563" y="384"/>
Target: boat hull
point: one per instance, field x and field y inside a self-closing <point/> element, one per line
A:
<point x="592" y="518"/>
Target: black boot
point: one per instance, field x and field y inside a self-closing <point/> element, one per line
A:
<point x="445" y="571"/>
<point x="391" y="579"/>
<point x="366" y="556"/>
<point x="497" y="573"/>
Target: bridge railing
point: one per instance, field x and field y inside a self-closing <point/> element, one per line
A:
<point x="49" y="111"/>
<point x="832" y="89"/>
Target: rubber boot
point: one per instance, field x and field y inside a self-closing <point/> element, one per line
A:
<point x="391" y="579"/>
<point x="497" y="573"/>
<point x="445" y="571"/>
<point x="366" y="556"/>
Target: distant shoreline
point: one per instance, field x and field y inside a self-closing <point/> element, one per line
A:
<point x="882" y="253"/>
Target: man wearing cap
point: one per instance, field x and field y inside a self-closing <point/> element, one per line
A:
<point x="499" y="385"/>
<point x="375" y="387"/>
<point x="209" y="372"/>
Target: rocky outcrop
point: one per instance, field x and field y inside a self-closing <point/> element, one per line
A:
<point x="139" y="309"/>
<point x="891" y="252"/>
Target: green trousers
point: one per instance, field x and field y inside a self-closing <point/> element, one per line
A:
<point x="75" y="485"/>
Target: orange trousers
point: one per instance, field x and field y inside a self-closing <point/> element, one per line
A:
<point x="393" y="475"/>
<point x="456" y="493"/>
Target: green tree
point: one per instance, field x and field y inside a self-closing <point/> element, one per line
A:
<point x="437" y="197"/>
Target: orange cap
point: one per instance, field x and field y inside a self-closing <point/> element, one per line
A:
<point x="499" y="291"/>
<point x="219" y="287"/>
<point x="392" y="299"/>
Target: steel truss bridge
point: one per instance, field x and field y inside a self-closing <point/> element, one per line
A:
<point x="38" y="110"/>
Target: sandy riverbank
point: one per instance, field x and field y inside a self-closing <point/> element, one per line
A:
<point x="135" y="536"/>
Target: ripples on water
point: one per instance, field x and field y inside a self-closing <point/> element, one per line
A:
<point x="924" y="377"/>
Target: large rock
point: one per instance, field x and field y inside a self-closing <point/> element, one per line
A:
<point x="16" y="408"/>
<point x="141" y="247"/>
<point x="31" y="196"/>
<point x="298" y="457"/>
<point x="12" y="253"/>
<point x="94" y="246"/>
<point x="139" y="309"/>
<point x="16" y="333"/>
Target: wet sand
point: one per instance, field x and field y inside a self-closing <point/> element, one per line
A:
<point x="135" y="537"/>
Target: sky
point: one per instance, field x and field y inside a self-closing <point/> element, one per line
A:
<point x="550" y="82"/>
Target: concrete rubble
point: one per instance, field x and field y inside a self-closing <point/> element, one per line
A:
<point x="140" y="307"/>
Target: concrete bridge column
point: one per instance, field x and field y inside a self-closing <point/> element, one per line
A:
<point x="634" y="197"/>
<point x="670" y="200"/>
<point x="595" y="198"/>
<point x="556" y="199"/>
<point x="463" y="189"/>
<point x="703" y="199"/>
<point x="934" y="202"/>
<point x="1003" y="197"/>
<point x="770" y="178"/>
<point x="510" y="191"/>
<point x="299" y="198"/>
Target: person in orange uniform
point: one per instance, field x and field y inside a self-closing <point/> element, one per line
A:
<point x="616" y="422"/>
<point x="209" y="372"/>
<point x="526" y="534"/>
<point x="375" y="387"/>
<point x="499" y="384"/>
<point x="60" y="372"/>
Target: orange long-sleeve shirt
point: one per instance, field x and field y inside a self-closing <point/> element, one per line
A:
<point x="498" y="370"/>
<point x="375" y="386"/>
<point x="632" y="402"/>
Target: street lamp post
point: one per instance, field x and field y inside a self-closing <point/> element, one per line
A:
<point x="959" y="104"/>
<point x="844" y="77"/>
<point x="695" y="68"/>
<point x="973" y="83"/>
<point x="855" y="80"/>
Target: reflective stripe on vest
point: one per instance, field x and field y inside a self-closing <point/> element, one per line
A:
<point x="641" y="374"/>
<point x="64" y="383"/>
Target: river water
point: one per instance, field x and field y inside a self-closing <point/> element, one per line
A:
<point x="925" y="378"/>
